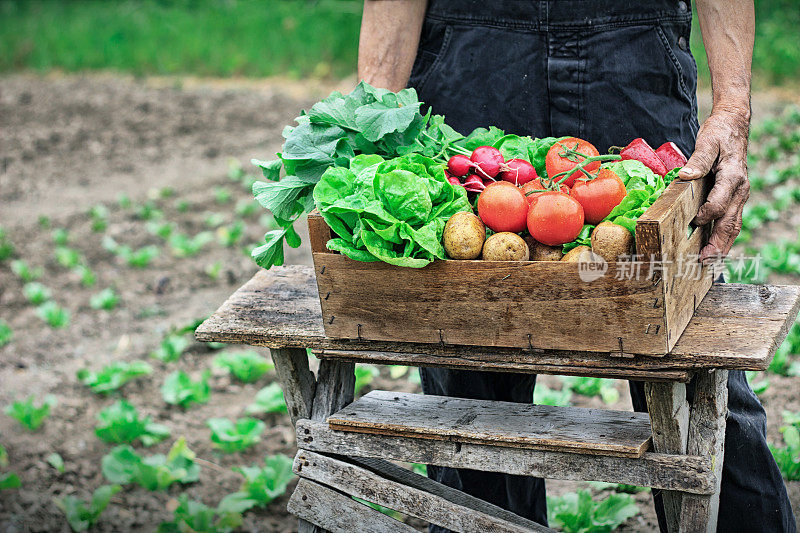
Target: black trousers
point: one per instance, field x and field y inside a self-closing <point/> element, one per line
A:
<point x="608" y="72"/>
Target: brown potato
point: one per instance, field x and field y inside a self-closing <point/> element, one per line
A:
<point x="574" y="255"/>
<point x="505" y="246"/>
<point x="609" y="241"/>
<point x="542" y="252"/>
<point x="463" y="236"/>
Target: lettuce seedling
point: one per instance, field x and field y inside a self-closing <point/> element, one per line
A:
<point x="247" y="366"/>
<point x="185" y="246"/>
<point x="171" y="348"/>
<point x="579" y="513"/>
<point x="120" y="423"/>
<point x="788" y="456"/>
<point x="229" y="436"/>
<point x="113" y="376"/>
<point x="28" y="414"/>
<point x="268" y="400"/>
<point x="36" y="293"/>
<point x="544" y="395"/>
<point x="24" y="272"/>
<point x="9" y="480"/>
<point x="6" y="333"/>
<point x="106" y="299"/>
<point x="57" y="462"/>
<point x="179" y="389"/>
<point x="99" y="217"/>
<point x="55" y="316"/>
<point x="230" y="236"/>
<point x="261" y="485"/>
<point x="156" y="472"/>
<point x="197" y="517"/>
<point x="82" y="515"/>
<point x="364" y="376"/>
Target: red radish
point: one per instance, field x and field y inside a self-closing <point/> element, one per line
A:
<point x="488" y="160"/>
<point x="671" y="155"/>
<point x="474" y="184"/>
<point x="639" y="150"/>
<point x="459" y="165"/>
<point x="454" y="181"/>
<point x="519" y="172"/>
<point x="503" y="207"/>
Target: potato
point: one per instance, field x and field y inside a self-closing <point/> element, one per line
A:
<point x="505" y="246"/>
<point x="542" y="252"/>
<point x="610" y="240"/>
<point x="463" y="236"/>
<point x="574" y="255"/>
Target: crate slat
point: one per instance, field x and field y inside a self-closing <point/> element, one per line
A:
<point x="543" y="427"/>
<point x="736" y="327"/>
<point x="391" y="486"/>
<point x="688" y="473"/>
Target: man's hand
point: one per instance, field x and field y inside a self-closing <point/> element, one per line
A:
<point x="721" y="149"/>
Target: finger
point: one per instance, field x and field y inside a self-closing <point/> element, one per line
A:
<point x="726" y="228"/>
<point x="727" y="182"/>
<point x="702" y="160"/>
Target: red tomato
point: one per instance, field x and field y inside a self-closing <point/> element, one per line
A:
<point x="555" y="218"/>
<point x="599" y="195"/>
<point x="536" y="185"/>
<point x="502" y="207"/>
<point x="555" y="162"/>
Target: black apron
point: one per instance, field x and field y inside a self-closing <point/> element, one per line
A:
<point x="606" y="71"/>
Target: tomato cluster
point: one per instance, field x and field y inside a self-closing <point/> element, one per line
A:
<point x="552" y="208"/>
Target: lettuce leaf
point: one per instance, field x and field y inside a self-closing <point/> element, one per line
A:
<point x="389" y="210"/>
<point x="643" y="185"/>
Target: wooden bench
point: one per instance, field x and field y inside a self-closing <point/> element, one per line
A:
<point x="344" y="445"/>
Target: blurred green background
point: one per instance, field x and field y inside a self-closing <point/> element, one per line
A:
<point x="257" y="38"/>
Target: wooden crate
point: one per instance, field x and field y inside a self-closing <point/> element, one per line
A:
<point x="532" y="304"/>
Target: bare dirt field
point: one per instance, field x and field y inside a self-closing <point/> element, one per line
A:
<point x="70" y="143"/>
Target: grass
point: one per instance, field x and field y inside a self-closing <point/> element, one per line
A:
<point x="225" y="38"/>
<point x="253" y="38"/>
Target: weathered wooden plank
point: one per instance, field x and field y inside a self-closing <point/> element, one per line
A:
<point x="661" y="235"/>
<point x="296" y="380"/>
<point x="591" y="431"/>
<point x="438" y="508"/>
<point x="669" y="419"/>
<point x="509" y="363"/>
<point x="318" y="231"/>
<point x="735" y="327"/>
<point x="335" y="389"/>
<point x="395" y="473"/>
<point x="687" y="473"/>
<point x="535" y="303"/>
<point x="336" y="382"/>
<point x="339" y="513"/>
<point x="706" y="438"/>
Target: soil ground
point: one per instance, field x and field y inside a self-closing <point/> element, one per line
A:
<point x="68" y="143"/>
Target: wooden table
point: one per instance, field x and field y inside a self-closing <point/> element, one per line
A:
<point x="344" y="445"/>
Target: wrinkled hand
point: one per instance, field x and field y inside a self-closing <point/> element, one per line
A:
<point x="721" y="149"/>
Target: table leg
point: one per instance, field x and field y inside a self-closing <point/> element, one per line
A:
<point x="707" y="439"/>
<point x="296" y="380"/>
<point x="336" y="382"/>
<point x="669" y="419"/>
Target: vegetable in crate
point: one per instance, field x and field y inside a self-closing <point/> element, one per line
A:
<point x="368" y="120"/>
<point x="393" y="211"/>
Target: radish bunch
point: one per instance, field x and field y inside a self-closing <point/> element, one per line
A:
<point x="485" y="166"/>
